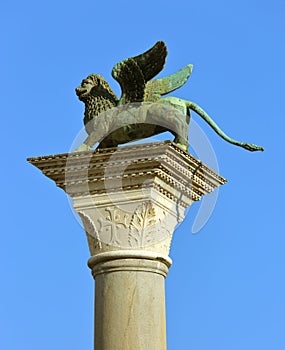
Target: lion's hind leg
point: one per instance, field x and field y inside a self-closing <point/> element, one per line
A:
<point x="181" y="142"/>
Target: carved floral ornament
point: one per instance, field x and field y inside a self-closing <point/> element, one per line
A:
<point x="115" y="227"/>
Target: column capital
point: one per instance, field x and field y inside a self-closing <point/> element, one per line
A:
<point x="131" y="197"/>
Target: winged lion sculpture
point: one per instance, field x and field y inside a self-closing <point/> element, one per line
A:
<point x="141" y="111"/>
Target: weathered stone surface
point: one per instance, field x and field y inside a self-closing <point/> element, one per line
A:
<point x="130" y="300"/>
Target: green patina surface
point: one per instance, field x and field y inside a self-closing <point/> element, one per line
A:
<point x="135" y="76"/>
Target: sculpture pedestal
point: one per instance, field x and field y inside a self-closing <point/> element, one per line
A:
<point x="130" y="200"/>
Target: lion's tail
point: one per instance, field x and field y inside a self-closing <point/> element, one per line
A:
<point x="197" y="109"/>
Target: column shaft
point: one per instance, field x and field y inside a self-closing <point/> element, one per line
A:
<point x="130" y="303"/>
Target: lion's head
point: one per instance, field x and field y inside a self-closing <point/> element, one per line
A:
<point x="97" y="96"/>
<point x="94" y="85"/>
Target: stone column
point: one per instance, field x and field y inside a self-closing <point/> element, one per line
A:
<point x="130" y="199"/>
<point x="130" y="299"/>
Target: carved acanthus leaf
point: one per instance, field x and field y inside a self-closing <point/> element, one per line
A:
<point x="92" y="234"/>
<point x="142" y="225"/>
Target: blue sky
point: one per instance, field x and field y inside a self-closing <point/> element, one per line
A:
<point x="225" y="290"/>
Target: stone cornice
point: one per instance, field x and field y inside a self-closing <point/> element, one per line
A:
<point x="161" y="165"/>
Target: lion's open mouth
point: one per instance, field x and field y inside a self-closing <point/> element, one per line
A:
<point x="80" y="91"/>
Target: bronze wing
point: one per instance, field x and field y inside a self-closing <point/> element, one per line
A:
<point x="158" y="87"/>
<point x="133" y="73"/>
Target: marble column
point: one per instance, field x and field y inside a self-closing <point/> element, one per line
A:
<point x="130" y="199"/>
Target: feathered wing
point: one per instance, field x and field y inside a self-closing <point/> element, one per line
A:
<point x="133" y="73"/>
<point x="158" y="87"/>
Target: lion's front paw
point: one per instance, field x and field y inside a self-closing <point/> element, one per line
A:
<point x="82" y="148"/>
<point x="182" y="146"/>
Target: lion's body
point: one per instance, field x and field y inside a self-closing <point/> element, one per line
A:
<point x="98" y="98"/>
